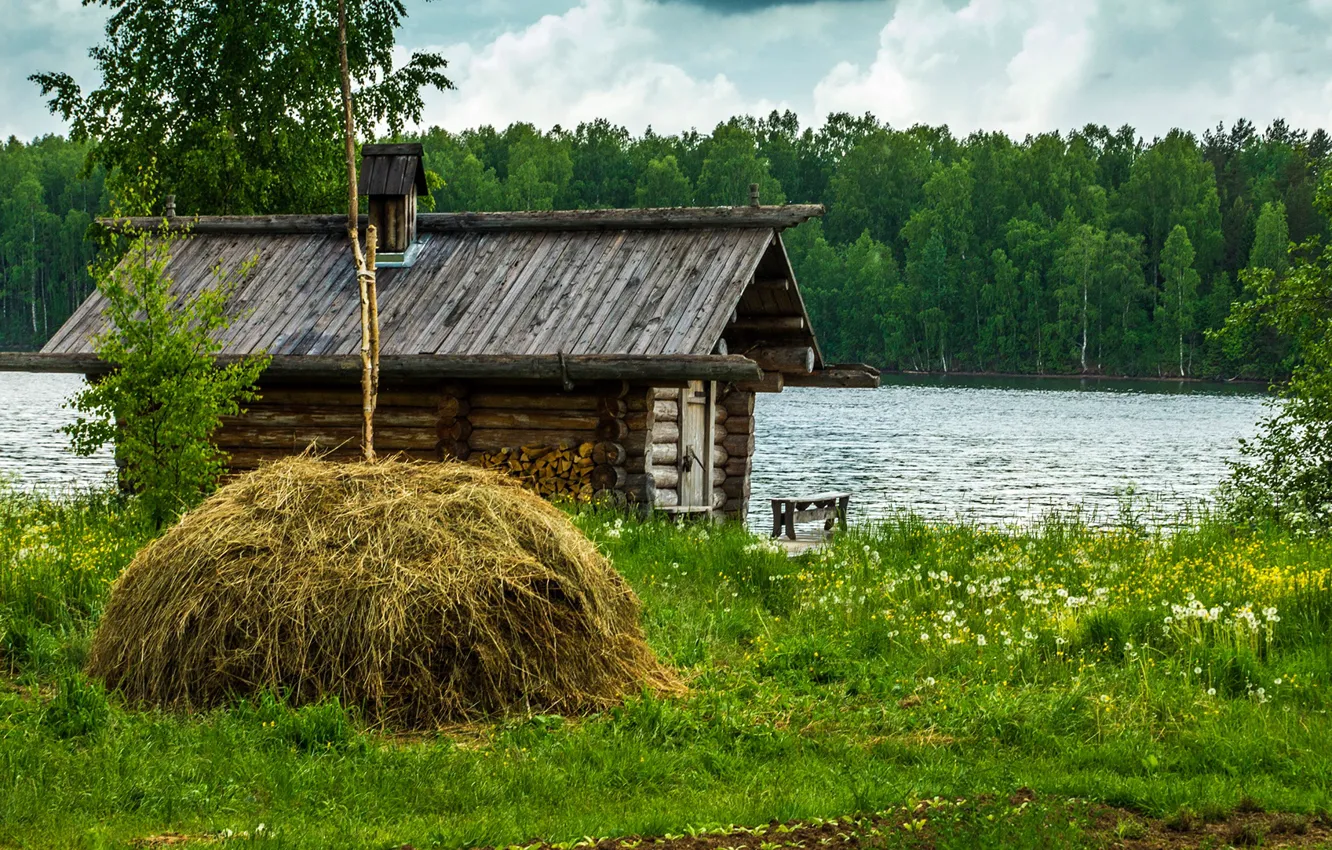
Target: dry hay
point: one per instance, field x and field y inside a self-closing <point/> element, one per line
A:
<point x="424" y="593"/>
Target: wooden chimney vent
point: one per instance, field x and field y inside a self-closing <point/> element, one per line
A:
<point x="391" y="177"/>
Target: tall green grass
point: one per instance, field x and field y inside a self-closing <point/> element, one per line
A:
<point x="1151" y="669"/>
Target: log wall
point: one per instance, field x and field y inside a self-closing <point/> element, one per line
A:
<point x="287" y="420"/>
<point x="606" y="441"/>
<point x="735" y="448"/>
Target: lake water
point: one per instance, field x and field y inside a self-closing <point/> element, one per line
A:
<point x="997" y="451"/>
<point x="989" y="450"/>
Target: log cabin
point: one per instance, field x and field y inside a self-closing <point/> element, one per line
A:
<point x="598" y="354"/>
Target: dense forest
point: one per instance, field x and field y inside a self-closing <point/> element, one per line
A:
<point x="1087" y="252"/>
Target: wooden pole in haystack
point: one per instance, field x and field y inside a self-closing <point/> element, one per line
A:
<point x="365" y="263"/>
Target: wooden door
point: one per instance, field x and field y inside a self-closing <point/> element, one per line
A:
<point x="696" y="435"/>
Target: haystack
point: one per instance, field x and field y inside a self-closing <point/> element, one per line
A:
<point x="424" y="593"/>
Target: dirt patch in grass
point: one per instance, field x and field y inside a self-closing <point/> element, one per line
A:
<point x="1022" y="820"/>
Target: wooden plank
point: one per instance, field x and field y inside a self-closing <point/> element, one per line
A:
<point x="535" y="419"/>
<point x="559" y="335"/>
<point x="535" y="401"/>
<point x="513" y="259"/>
<point x="702" y="329"/>
<point x="322" y="290"/>
<point x="260" y="414"/>
<point x="556" y="297"/>
<point x="491" y="439"/>
<point x="787" y="215"/>
<point x="524" y="265"/>
<point x="771" y="382"/>
<point x="437" y="289"/>
<point x="841" y="377"/>
<point x="469" y="269"/>
<point x="707" y="282"/>
<point x="648" y="253"/>
<point x="648" y="328"/>
<point x="297" y="438"/>
<point x="710" y="304"/>
<point x="295" y="283"/>
<point x="508" y="305"/>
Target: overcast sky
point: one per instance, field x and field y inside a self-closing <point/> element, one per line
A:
<point x="1021" y="66"/>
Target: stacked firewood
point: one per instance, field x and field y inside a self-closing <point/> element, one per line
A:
<point x="552" y="471"/>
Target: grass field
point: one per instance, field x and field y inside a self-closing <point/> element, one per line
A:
<point x="1175" y="676"/>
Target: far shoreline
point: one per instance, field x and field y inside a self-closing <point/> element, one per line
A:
<point x="1075" y="376"/>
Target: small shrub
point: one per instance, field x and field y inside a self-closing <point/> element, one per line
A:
<point x="79" y="708"/>
<point x="1289" y="825"/>
<point x="1184" y="820"/>
<point x="1130" y="829"/>
<point x="310" y="728"/>
<point x="1248" y="805"/>
<point x="1247" y="834"/>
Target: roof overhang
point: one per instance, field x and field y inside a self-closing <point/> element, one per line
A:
<point x="541" y="368"/>
<point x="840" y="376"/>
<point x="670" y="218"/>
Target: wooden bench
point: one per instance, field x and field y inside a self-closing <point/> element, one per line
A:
<point x="829" y="507"/>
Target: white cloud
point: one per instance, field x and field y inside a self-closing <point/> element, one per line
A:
<point x="598" y="59"/>
<point x="42" y="35"/>
<point x="1026" y="66"/>
<point x="993" y="64"/>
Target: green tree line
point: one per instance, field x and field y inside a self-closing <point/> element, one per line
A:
<point x="1085" y="252"/>
<point x="47" y="202"/>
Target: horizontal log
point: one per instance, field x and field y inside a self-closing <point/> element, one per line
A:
<point x="310" y="414"/>
<point x="667" y="393"/>
<point x="720" y="457"/>
<point x="665" y="432"/>
<point x="738" y="467"/>
<point x="720" y="415"/>
<point x="450" y="407"/>
<point x="740" y="425"/>
<point x="721" y="347"/>
<point x="718" y="500"/>
<point x="667" y="498"/>
<point x="857" y="376"/>
<point x="671" y="218"/>
<point x="772" y="382"/>
<point x="666" y="410"/>
<point x="790" y="360"/>
<point x="454" y="450"/>
<point x="537" y="368"/>
<point x="450" y="430"/>
<point x="637" y="442"/>
<point x="611" y="430"/>
<point x="253" y="458"/>
<point x="637" y="465"/>
<point x="666" y="477"/>
<point x="665" y="453"/>
<point x="736" y="488"/>
<point x="582" y="402"/>
<point x="609" y="453"/>
<point x="768" y="324"/>
<point x="737" y="508"/>
<point x="771" y="284"/>
<point x="607" y="477"/>
<point x="612" y="407"/>
<point x="738" y="403"/>
<point x="281" y="395"/>
<point x="491" y="439"/>
<point x="541" y="420"/>
<point x="297" y="439"/>
<point x="739" y="445"/>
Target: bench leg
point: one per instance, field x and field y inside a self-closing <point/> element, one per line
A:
<point x="790" y="520"/>
<point x="776" y="520"/>
<point x="842" y="505"/>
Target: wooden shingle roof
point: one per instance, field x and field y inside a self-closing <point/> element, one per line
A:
<point x="602" y="283"/>
<point x="392" y="170"/>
